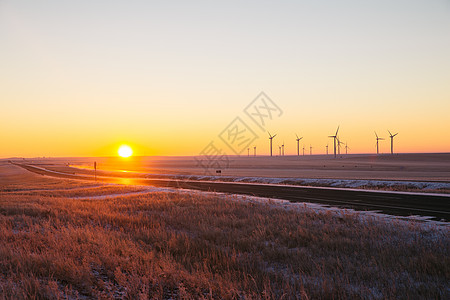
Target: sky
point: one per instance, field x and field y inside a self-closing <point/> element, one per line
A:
<point x="80" y="78"/>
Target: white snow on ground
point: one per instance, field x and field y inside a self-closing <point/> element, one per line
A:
<point x="360" y="184"/>
<point x="341" y="183"/>
<point x="325" y="188"/>
<point x="279" y="203"/>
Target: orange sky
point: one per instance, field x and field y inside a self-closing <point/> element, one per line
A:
<point x="80" y="79"/>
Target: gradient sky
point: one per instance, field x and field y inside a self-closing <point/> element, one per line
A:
<point x="78" y="78"/>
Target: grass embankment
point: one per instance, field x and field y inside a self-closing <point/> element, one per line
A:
<point x="180" y="245"/>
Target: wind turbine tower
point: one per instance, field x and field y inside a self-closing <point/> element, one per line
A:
<point x="346" y="148"/>
<point x="271" y="138"/>
<point x="327" y="149"/>
<point x="298" y="144"/>
<point x="254" y="151"/>
<point x="310" y="149"/>
<point x="334" y="140"/>
<point x="392" y="141"/>
<point x="378" y="139"/>
<point x="282" y="147"/>
<point x="339" y="145"/>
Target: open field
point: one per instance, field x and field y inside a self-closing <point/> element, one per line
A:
<point x="196" y="245"/>
<point x="426" y="205"/>
<point x="415" y="167"/>
<point x="402" y="172"/>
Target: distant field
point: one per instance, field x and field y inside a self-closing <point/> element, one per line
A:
<point x="59" y="239"/>
<point x="415" y="167"/>
<point x="400" y="172"/>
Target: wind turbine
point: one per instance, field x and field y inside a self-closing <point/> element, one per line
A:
<point x="298" y="144"/>
<point x="280" y="150"/>
<point x="339" y="145"/>
<point x="310" y="149"/>
<point x="248" y="151"/>
<point x="378" y="139"/>
<point x="254" y="151"/>
<point x="327" y="149"/>
<point x="303" y="150"/>
<point x="282" y="147"/>
<point x="346" y="148"/>
<point x="334" y="140"/>
<point x="392" y="141"/>
<point x="270" y="138"/>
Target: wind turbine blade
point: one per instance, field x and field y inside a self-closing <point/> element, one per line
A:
<point x="337" y="130"/>
<point x="389" y="133"/>
<point x="269" y="134"/>
<point x="296" y="136"/>
<point x="274" y="135"/>
<point x="395" y="134"/>
<point x="376" y="134"/>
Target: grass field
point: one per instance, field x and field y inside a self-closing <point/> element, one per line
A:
<point x="178" y="245"/>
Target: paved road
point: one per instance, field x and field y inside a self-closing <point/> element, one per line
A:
<point x="402" y="204"/>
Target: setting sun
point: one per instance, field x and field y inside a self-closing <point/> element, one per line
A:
<point x="125" y="151"/>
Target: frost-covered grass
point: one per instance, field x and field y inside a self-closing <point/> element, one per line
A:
<point x="204" y="245"/>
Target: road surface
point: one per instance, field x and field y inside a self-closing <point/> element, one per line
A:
<point x="394" y="203"/>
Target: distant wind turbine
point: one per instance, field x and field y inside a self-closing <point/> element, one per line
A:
<point x="282" y="147"/>
<point x="334" y="140"/>
<point x="339" y="145"/>
<point x="378" y="139"/>
<point x="303" y="150"/>
<point x="346" y="148"/>
<point x="280" y="150"/>
<point x="270" y="138"/>
<point x="392" y="141"/>
<point x="310" y="150"/>
<point x="298" y="144"/>
<point x="254" y="151"/>
<point x="248" y="151"/>
<point x="327" y="149"/>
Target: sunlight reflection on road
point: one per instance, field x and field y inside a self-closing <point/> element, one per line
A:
<point x="126" y="181"/>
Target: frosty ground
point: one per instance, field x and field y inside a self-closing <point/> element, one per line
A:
<point x="77" y="239"/>
<point x="414" y="172"/>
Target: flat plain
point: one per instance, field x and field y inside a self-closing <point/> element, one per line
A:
<point x="73" y="239"/>
<point x="412" y="166"/>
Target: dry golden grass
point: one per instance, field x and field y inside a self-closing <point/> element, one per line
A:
<point x="190" y="246"/>
<point x="170" y="245"/>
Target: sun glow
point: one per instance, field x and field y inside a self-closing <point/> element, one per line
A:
<point x="125" y="151"/>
